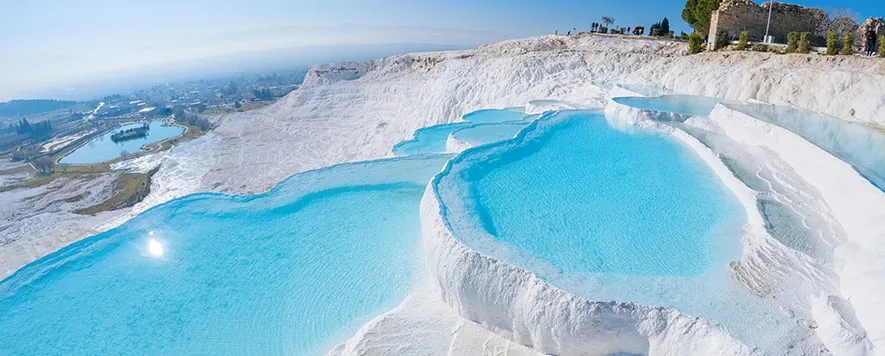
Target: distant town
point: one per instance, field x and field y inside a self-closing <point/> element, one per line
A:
<point x="30" y="128"/>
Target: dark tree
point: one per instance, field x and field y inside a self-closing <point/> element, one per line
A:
<point x="188" y="118"/>
<point x="112" y="98"/>
<point x="655" y="29"/>
<point x="697" y="13"/>
<point x="38" y="130"/>
<point x="665" y="27"/>
<point x="263" y="94"/>
<point x="24" y="127"/>
<point x="44" y="164"/>
<point x="608" y="21"/>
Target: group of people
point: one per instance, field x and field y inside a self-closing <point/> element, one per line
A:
<point x="871" y="37"/>
<point x="596" y="27"/>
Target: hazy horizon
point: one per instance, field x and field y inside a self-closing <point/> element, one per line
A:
<point x="232" y="65"/>
<point x="53" y="47"/>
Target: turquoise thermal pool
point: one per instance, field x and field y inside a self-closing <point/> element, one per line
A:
<point x="486" y="116"/>
<point x="432" y="139"/>
<point x="611" y="197"/>
<point x="292" y="271"/>
<point x="606" y="214"/>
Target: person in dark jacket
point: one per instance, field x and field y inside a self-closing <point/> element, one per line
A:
<point x="871" y="42"/>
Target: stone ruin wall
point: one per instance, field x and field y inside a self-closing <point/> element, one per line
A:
<point x="736" y="16"/>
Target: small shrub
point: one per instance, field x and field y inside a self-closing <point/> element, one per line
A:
<point x="722" y="40"/>
<point x="832" y="42"/>
<point x="603" y="30"/>
<point x="44" y="164"/>
<point x="805" y="42"/>
<point x="882" y="46"/>
<point x="655" y="32"/>
<point x="695" y="43"/>
<point x="759" y="47"/>
<point x="792" y="42"/>
<point x="847" y="45"/>
<point x="743" y="41"/>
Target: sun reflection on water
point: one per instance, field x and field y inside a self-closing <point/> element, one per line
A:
<point x="154" y="247"/>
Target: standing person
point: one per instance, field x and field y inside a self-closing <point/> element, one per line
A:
<point x="871" y="42"/>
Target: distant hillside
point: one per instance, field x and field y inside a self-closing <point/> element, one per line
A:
<point x="18" y="108"/>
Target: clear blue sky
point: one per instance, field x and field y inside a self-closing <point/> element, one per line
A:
<point x="45" y="42"/>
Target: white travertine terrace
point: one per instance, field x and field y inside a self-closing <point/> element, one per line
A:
<point x="358" y="111"/>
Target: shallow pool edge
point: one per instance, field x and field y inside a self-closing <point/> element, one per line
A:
<point x="519" y="305"/>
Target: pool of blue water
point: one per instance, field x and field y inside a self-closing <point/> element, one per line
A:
<point x="860" y="146"/>
<point x="622" y="214"/>
<point x="487" y="133"/>
<point x="677" y="104"/>
<point x="102" y="148"/>
<point x="494" y="115"/>
<point x="606" y="200"/>
<point x="430" y="139"/>
<point x="291" y="271"/>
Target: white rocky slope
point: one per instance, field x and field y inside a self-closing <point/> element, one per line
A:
<point x="856" y="206"/>
<point x="358" y="111"/>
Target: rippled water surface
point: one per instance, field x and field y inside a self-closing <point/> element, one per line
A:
<point x="589" y="198"/>
<point x="289" y="272"/>
<point x="607" y="213"/>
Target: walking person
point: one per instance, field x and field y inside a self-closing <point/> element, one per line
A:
<point x="871" y="42"/>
